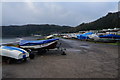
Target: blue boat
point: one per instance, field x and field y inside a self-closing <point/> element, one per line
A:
<point x="110" y="36"/>
<point x="84" y="36"/>
<point x="39" y="44"/>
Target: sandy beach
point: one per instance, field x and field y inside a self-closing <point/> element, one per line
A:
<point x="83" y="60"/>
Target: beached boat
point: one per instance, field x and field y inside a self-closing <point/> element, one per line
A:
<point x="50" y="37"/>
<point x="39" y="44"/>
<point x="110" y="38"/>
<point x="93" y="36"/>
<point x="10" y="54"/>
<point x="84" y="36"/>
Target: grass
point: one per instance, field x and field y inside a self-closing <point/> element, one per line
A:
<point x="117" y="43"/>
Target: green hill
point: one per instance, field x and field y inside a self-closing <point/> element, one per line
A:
<point x="111" y="20"/>
<point x="27" y="30"/>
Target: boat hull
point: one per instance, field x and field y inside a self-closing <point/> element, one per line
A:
<point x="50" y="45"/>
<point x="13" y="52"/>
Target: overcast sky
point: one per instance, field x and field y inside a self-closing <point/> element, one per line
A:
<point x="60" y="13"/>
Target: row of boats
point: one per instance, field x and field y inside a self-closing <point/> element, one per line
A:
<point x="25" y="49"/>
<point x="94" y="37"/>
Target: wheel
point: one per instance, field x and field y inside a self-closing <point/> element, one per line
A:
<point x="32" y="56"/>
<point x="63" y="53"/>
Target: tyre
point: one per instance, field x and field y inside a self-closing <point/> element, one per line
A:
<point x="63" y="53"/>
<point x="31" y="56"/>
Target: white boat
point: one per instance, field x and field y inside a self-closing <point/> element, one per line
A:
<point x="93" y="36"/>
<point x="50" y="37"/>
<point x="10" y="54"/>
<point x="39" y="44"/>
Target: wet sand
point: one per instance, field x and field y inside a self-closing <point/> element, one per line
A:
<point x="83" y="60"/>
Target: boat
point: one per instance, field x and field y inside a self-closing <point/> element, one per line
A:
<point x="65" y="37"/>
<point x="94" y="36"/>
<point x="50" y="37"/>
<point x="41" y="46"/>
<point x="38" y="44"/>
<point x="10" y="54"/>
<point x="84" y="36"/>
<point x="110" y="36"/>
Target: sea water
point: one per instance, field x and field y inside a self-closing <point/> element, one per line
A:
<point x="7" y="40"/>
<point x="15" y="39"/>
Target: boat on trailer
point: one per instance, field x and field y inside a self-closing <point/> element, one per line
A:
<point x="39" y="45"/>
<point x="10" y="54"/>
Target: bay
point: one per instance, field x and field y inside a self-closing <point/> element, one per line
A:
<point x="16" y="39"/>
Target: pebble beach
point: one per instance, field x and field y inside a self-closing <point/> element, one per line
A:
<point x="82" y="60"/>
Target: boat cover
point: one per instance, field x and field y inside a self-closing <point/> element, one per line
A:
<point x="109" y="36"/>
<point x="89" y="33"/>
<point x="35" y="42"/>
<point x="84" y="36"/>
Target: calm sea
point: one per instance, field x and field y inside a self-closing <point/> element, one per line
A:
<point x="11" y="40"/>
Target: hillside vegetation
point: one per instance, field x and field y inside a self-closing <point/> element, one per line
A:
<point x="111" y="20"/>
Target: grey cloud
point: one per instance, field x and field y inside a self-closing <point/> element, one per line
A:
<point x="61" y="13"/>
